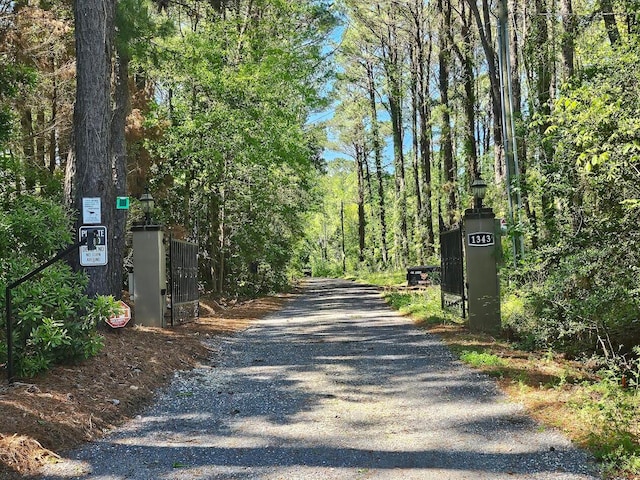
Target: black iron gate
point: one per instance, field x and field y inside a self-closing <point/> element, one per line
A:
<point x="183" y="281"/>
<point x="452" y="270"/>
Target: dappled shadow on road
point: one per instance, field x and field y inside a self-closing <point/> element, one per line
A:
<point x="203" y="460"/>
<point x="336" y="380"/>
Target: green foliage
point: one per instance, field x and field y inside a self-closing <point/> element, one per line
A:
<point x="383" y="278"/>
<point x="324" y="268"/>
<point x="240" y="161"/>
<point x="581" y="286"/>
<point x="12" y="78"/>
<point x="50" y="324"/>
<point x="573" y="299"/>
<point x="423" y="305"/>
<point x="481" y="359"/>
<point x="611" y="411"/>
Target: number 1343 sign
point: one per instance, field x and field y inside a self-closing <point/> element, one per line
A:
<point x="480" y="239"/>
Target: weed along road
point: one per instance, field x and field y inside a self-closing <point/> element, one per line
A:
<point x="335" y="386"/>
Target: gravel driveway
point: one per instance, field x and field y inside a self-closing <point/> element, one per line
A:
<point x="335" y="386"/>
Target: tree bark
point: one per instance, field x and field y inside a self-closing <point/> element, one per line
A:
<point x="423" y="60"/>
<point x="465" y="56"/>
<point x="606" y="7"/>
<point x="28" y="148"/>
<point x="446" y="142"/>
<point x="394" y="83"/>
<point x="360" y="160"/>
<point x="542" y="65"/>
<point x="484" y="26"/>
<point x="568" y="38"/>
<point x="89" y="172"/>
<point x="53" y="147"/>
<point x="377" y="154"/>
<point x="119" y="142"/>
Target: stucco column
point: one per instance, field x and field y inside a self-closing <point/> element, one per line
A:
<point x="481" y="253"/>
<point x="149" y="275"/>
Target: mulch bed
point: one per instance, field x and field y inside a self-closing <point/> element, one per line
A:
<point x="73" y="404"/>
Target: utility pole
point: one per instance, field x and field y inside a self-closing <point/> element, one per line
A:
<point x="509" y="134"/>
<point x="344" y="255"/>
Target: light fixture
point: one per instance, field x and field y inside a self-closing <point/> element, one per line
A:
<point x="147" y="205"/>
<point x="479" y="189"/>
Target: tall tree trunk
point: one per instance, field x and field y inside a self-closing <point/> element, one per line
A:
<point x="119" y="151"/>
<point x="377" y="154"/>
<point x="400" y="181"/>
<point x="40" y="162"/>
<point x="446" y="142"/>
<point x="213" y="240"/>
<point x="89" y="172"/>
<point x="414" y="128"/>
<point x="423" y="60"/>
<point x="415" y="138"/>
<point x="360" y="160"/>
<point x="53" y="147"/>
<point x="568" y="52"/>
<point x="223" y="229"/>
<point x="465" y="56"/>
<point x="394" y="83"/>
<point x="542" y="67"/>
<point x="28" y="149"/>
<point x="568" y="38"/>
<point x="521" y="144"/>
<point x="606" y="7"/>
<point x="484" y="25"/>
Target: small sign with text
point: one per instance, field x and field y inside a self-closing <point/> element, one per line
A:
<point x="480" y="239"/>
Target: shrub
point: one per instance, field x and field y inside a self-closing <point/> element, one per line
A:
<point x="574" y="299"/>
<point x="53" y="320"/>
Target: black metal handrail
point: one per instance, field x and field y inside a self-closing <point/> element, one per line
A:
<point x="452" y="267"/>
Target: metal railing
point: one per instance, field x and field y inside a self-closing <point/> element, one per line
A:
<point x="183" y="281"/>
<point x="452" y="288"/>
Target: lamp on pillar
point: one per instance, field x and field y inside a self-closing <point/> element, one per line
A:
<point x="479" y="190"/>
<point x="147" y="205"/>
<point x="481" y="245"/>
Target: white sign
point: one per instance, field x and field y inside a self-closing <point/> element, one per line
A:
<point x="480" y="239"/>
<point x="91" y="210"/>
<point x="97" y="257"/>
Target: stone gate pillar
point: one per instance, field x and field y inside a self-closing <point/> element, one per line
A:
<point x="149" y="275"/>
<point x="481" y="254"/>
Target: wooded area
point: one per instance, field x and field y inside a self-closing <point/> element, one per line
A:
<point x="203" y="103"/>
<point x="223" y="108"/>
<point x="333" y="137"/>
<point x="541" y="99"/>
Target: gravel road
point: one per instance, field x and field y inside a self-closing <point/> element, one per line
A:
<point x="335" y="386"/>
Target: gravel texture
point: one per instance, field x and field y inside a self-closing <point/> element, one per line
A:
<point x="335" y="386"/>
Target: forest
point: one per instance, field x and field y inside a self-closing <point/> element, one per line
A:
<point x="329" y="137"/>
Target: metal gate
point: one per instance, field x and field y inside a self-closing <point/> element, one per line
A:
<point x="183" y="281"/>
<point x="452" y="291"/>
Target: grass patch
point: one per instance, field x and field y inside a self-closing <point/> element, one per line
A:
<point x="382" y="279"/>
<point x="481" y="359"/>
<point x="611" y="416"/>
<point x="423" y="305"/>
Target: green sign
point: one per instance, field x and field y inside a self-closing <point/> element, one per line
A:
<point x="122" y="203"/>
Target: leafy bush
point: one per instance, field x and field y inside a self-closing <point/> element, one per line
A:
<point x="578" y="301"/>
<point x="610" y="411"/>
<point x="53" y="320"/>
<point x="324" y="268"/>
